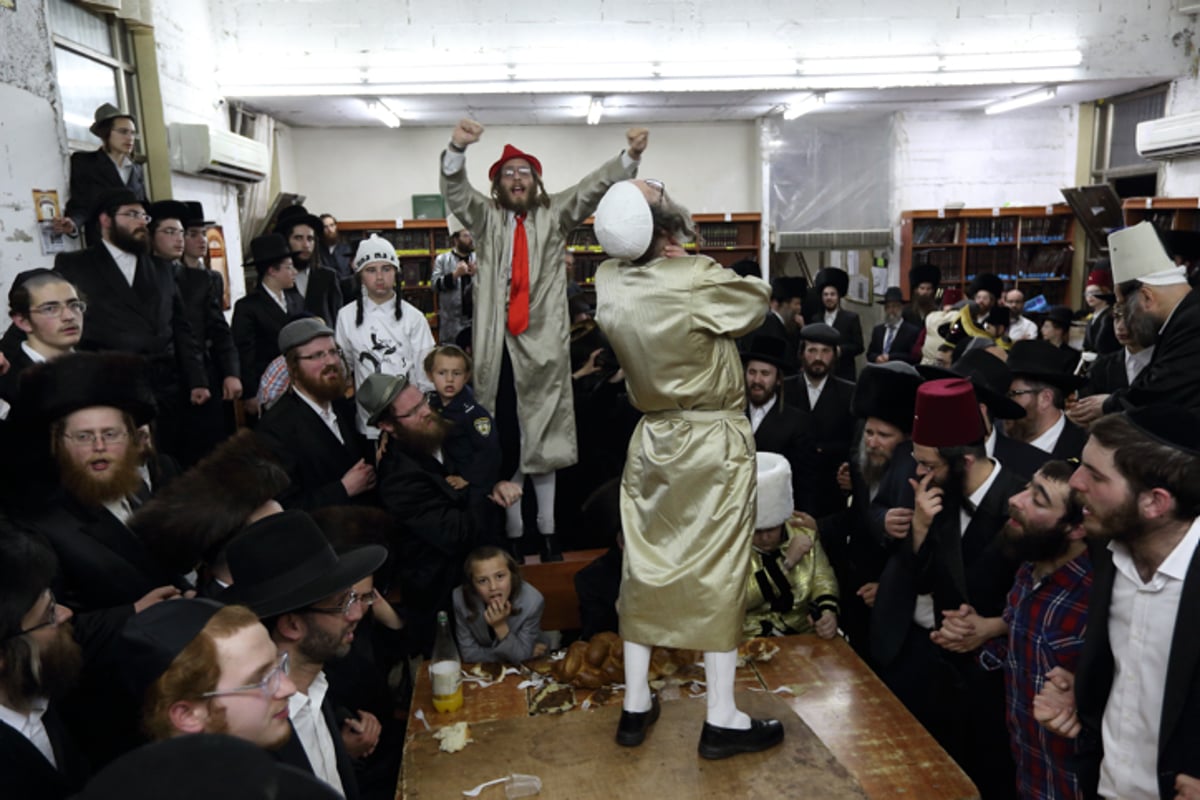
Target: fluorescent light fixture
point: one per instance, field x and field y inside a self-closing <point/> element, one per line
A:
<point x="868" y="65"/>
<point x="1044" y="59"/>
<point x="715" y="68"/>
<point x="384" y="114"/>
<point x="562" y="71"/>
<point x="798" y="109"/>
<point x="595" y="111"/>
<point x="1022" y="100"/>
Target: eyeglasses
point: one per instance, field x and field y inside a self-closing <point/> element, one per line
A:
<point x="172" y="232"/>
<point x="323" y="355"/>
<point x="89" y="438"/>
<point x="366" y="598"/>
<point x="1018" y="392"/>
<point x="49" y="619"/>
<point x="144" y="217"/>
<point x="267" y="687"/>
<point x="512" y="172"/>
<point x="56" y="309"/>
<point x="424" y="402"/>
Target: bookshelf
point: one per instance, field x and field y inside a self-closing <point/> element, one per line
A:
<point x="1165" y="213"/>
<point x="1028" y="247"/>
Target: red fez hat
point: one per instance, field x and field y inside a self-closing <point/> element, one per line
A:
<point x="1100" y="277"/>
<point x="947" y="414"/>
<point x="510" y="153"/>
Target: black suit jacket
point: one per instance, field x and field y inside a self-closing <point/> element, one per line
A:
<point x="902" y="345"/>
<point x="1179" y="729"/>
<point x="1107" y="374"/>
<point x="292" y="753"/>
<point x="955" y="566"/>
<point x="1018" y="457"/>
<point x="830" y="428"/>
<point x="200" y="291"/>
<point x="849" y="326"/>
<point x="1173" y="375"/>
<point x="323" y="296"/>
<point x="18" y="362"/>
<point x="146" y="318"/>
<point x="314" y="459"/>
<point x="1100" y="336"/>
<point x="784" y="431"/>
<point x="257" y="320"/>
<point x="25" y="773"/>
<point x="1070" y="443"/>
<point x="92" y="174"/>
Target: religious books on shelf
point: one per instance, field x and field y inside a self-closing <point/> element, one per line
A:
<point x="1165" y="213"/>
<point x="1028" y="247"/>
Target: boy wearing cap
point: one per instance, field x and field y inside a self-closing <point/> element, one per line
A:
<point x="453" y="274"/>
<point x="260" y="315"/>
<point x="381" y="331"/>
<point x="520" y="327"/>
<point x="96" y="171"/>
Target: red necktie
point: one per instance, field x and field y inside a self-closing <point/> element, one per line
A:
<point x="518" y="298"/>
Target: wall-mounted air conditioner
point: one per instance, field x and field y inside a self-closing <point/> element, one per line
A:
<point x="212" y="153"/>
<point x="1169" y="137"/>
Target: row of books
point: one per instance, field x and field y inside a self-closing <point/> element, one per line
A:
<point x="1044" y="229"/>
<point x="935" y="232"/>
<point x="716" y="234"/>
<point x="992" y="231"/>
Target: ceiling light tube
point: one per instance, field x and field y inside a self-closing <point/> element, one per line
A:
<point x="595" y="111"/>
<point x="869" y="65"/>
<point x="382" y="113"/>
<point x="1022" y="100"/>
<point x="1043" y="59"/>
<point x="725" y="69"/>
<point x="811" y="103"/>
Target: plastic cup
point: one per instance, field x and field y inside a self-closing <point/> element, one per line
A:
<point x="522" y="786"/>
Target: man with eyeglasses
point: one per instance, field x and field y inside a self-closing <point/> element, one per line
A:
<point x="200" y="667"/>
<point x="1041" y="380"/>
<point x="312" y="430"/>
<point x="136" y="308"/>
<point x="46" y="308"/>
<point x="287" y="572"/>
<point x="39" y="661"/>
<point x="520" y="328"/>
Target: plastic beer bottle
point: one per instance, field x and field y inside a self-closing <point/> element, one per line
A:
<point x="445" y="670"/>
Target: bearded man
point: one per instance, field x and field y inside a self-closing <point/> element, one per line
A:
<point x="520" y="327"/>
<point x="311" y="429"/>
<point x="39" y="661"/>
<point x="440" y="524"/>
<point x="894" y="339"/>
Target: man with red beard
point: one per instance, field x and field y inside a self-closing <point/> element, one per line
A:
<point x="136" y="308"/>
<point x="286" y="571"/>
<point x="1138" y="682"/>
<point x="311" y="429"/>
<point x="520" y="328"/>
<point x="39" y="660"/>
<point x="440" y="525"/>
<point x="1042" y="626"/>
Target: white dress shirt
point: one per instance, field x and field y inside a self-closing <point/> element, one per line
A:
<point x="31" y="727"/>
<point x="280" y="299"/>
<point x="314" y="733"/>
<point x="1022" y="329"/>
<point x="1049" y="439"/>
<point x="302" y="280"/>
<point x="126" y="262"/>
<point x="814" y="390"/>
<point x="326" y="414"/>
<point x="34" y="355"/>
<point x="759" y="413"/>
<point x="1136" y="362"/>
<point x="1141" y="624"/>
<point x="830" y="316"/>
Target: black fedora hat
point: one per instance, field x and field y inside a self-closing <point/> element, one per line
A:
<point x="989" y="375"/>
<point x="268" y="249"/>
<point x="786" y="287"/>
<point x="1061" y="316"/>
<point x="893" y="294"/>
<point x="1038" y="360"/>
<point x="283" y="563"/>
<point x="887" y="392"/>
<point x="167" y="209"/>
<point x="292" y="216"/>
<point x="195" y="215"/>
<point x="769" y="348"/>
<point x="106" y="112"/>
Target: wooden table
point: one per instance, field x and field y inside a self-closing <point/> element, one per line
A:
<point x="861" y="723"/>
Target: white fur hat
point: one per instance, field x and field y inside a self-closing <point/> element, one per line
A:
<point x="774" y="491"/>
<point x="454" y="224"/>
<point x="623" y="224"/>
<point x="375" y="248"/>
<point x="1138" y="254"/>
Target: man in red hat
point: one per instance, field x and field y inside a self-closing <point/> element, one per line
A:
<point x="950" y="566"/>
<point x="520" y="326"/>
<point x="1099" y="296"/>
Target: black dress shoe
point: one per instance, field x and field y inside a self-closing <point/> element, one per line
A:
<point x="725" y="742"/>
<point x="631" y="730"/>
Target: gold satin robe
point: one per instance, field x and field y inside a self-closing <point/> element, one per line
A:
<point x="688" y="493"/>
<point x="810" y="581"/>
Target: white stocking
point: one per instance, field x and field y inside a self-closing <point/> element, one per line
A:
<point x="543" y="487"/>
<point x="719" y="673"/>
<point x="637" y="677"/>
<point x="514" y="524"/>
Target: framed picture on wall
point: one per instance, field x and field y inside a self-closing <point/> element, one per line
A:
<point x="217" y="260"/>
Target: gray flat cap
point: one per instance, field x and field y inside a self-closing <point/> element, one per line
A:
<point x="377" y="392"/>
<point x="301" y="331"/>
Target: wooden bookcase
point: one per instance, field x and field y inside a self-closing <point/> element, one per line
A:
<point x="1165" y="213"/>
<point x="1027" y="247"/>
<point x="725" y="238"/>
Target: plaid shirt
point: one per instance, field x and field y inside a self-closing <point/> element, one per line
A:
<point x="1046" y="623"/>
<point x="273" y="384"/>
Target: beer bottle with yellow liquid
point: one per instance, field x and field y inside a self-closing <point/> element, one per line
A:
<point x="445" y="670"/>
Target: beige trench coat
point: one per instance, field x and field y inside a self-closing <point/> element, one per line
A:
<point x="688" y="493"/>
<point x="541" y="355"/>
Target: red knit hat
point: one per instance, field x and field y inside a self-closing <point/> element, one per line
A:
<point x="510" y="153"/>
<point x="947" y="414"/>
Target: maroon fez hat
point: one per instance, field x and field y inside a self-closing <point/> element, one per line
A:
<point x="947" y="414"/>
<point x="510" y="153"/>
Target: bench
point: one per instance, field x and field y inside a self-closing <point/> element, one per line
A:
<point x="556" y="581"/>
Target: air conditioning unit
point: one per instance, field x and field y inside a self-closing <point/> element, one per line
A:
<point x="212" y="153"/>
<point x="870" y="239"/>
<point x="1169" y="137"/>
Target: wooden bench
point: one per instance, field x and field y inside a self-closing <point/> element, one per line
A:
<point x="556" y="581"/>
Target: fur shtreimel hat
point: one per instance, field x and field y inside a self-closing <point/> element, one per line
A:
<point x="774" y="491"/>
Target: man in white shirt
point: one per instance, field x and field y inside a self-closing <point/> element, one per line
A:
<point x="1138" y="684"/>
<point x="284" y="569"/>
<point x="778" y="427"/>
<point x="39" y="659"/>
<point x="47" y="309"/>
<point x="1041" y="380"/>
<point x="1020" y="327"/>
